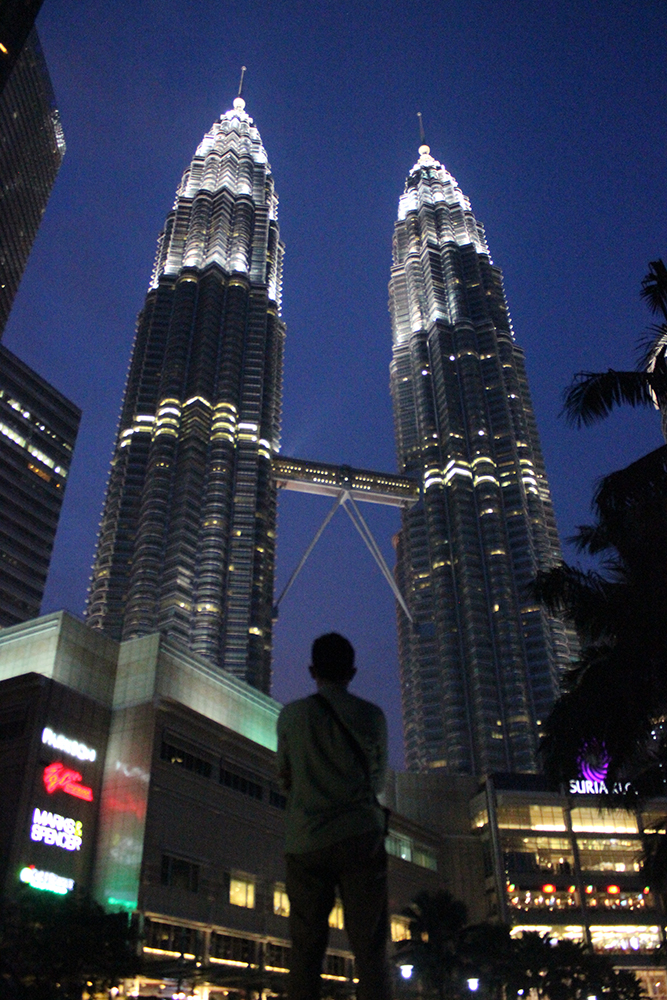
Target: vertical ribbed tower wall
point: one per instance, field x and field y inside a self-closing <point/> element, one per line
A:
<point x="187" y="538"/>
<point x="480" y="667"/>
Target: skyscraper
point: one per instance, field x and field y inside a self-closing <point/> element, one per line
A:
<point x="187" y="538"/>
<point x="38" y="428"/>
<point x="17" y="18"/>
<point x="480" y="666"/>
<point x="32" y="147"/>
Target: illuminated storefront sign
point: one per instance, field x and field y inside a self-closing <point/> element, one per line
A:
<point x="48" y="881"/>
<point x="597" y="787"/>
<point x="72" y="747"/>
<point x="57" y="831"/>
<point x="57" y="776"/>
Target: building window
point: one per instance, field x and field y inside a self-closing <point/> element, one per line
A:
<point x="593" y="820"/>
<point x="170" y="938"/>
<point x="607" y="854"/>
<point x="277" y="957"/>
<point x="530" y="817"/>
<point x="336" y="919"/>
<point x="176" y="755"/>
<point x="400" y="928"/>
<point x="230" y="950"/>
<point x="627" y="938"/>
<point x="400" y="847"/>
<point x="280" y="901"/>
<point x="242" y="892"/>
<point x="277" y="800"/>
<point x="179" y="874"/>
<point x="240" y="784"/>
<point x="335" y="967"/>
<point x="559" y="932"/>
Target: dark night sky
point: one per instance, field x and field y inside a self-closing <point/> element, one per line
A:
<point x="550" y="115"/>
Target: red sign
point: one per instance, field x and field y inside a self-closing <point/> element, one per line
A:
<point x="58" y="776"/>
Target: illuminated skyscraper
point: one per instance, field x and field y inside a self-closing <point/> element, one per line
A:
<point x="32" y="147"/>
<point x="480" y="666"/>
<point x="187" y="539"/>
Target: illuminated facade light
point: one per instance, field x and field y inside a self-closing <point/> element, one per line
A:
<point x="72" y="747"/>
<point x="47" y="881"/>
<point x="57" y="776"/>
<point x="468" y="433"/>
<point x="212" y="402"/>
<point x="56" y="831"/>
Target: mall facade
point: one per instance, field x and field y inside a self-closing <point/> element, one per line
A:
<point x="140" y="773"/>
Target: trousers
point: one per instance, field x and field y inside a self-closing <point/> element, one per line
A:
<point x="358" y="867"/>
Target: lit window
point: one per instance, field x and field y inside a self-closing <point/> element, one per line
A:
<point x="242" y="892"/>
<point x="280" y="902"/>
<point x="336" y="916"/>
<point x="400" y="928"/>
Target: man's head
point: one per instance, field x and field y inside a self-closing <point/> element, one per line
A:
<point x="333" y="659"/>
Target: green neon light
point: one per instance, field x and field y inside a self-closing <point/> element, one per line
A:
<point x="46" y="881"/>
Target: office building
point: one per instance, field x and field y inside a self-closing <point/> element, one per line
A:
<point x="187" y="539"/>
<point x="480" y="664"/>
<point x="142" y="774"/>
<point x="17" y="18"/>
<point x="32" y="147"/>
<point x="38" y="429"/>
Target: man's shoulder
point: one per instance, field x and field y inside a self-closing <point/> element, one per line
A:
<point x="294" y="709"/>
<point x="359" y="706"/>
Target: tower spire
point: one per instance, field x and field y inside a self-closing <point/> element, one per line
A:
<point x="243" y="69"/>
<point x="423" y="148"/>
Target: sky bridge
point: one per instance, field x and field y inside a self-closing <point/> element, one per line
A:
<point x="346" y="485"/>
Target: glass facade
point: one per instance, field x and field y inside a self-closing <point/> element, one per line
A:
<point x="32" y="147"/>
<point x="38" y="429"/>
<point x="187" y="539"/>
<point x="479" y="669"/>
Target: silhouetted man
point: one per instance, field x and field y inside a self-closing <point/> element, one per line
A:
<point x="332" y="759"/>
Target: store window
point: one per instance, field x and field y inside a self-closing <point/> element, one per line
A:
<point x="548" y="897"/>
<point x="537" y="855"/>
<point x="587" y="819"/>
<point x="280" y="901"/>
<point x="613" y="897"/>
<point x="628" y="938"/>
<point x="336" y="919"/>
<point x="558" y="932"/>
<point x="242" y="892"/>
<point x="519" y="816"/>
<point x="607" y="854"/>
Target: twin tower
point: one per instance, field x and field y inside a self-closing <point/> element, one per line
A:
<point x="188" y="535"/>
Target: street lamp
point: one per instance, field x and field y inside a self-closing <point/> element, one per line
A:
<point x="473" y="984"/>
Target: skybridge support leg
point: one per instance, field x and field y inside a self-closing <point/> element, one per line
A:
<point x="365" y="532"/>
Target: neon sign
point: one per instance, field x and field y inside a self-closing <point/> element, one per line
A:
<point x="57" y="831"/>
<point x="48" y="881"/>
<point x="72" y="747"/>
<point x="58" y="776"/>
<point x="593" y="762"/>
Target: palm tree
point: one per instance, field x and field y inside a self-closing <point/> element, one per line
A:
<point x="593" y="395"/>
<point x="436" y="921"/>
<point x="615" y="697"/>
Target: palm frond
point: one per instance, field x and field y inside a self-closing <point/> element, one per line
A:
<point x="654" y="287"/>
<point x="593" y="395"/>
